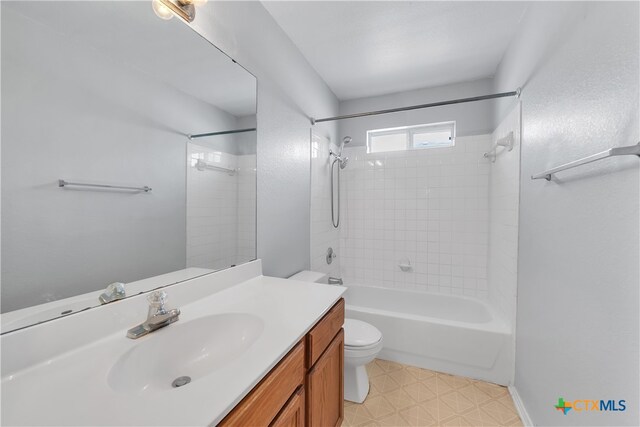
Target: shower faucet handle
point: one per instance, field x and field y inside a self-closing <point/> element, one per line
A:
<point x="330" y="255"/>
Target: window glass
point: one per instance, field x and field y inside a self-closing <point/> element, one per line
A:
<point x="433" y="135"/>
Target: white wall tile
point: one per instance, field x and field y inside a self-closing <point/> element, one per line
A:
<point x="221" y="210"/>
<point x="504" y="193"/>
<point x="427" y="206"/>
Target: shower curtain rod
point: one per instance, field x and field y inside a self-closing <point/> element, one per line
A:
<point x="420" y="106"/>
<point x="224" y="132"/>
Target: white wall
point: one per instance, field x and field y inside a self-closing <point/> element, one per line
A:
<point x="289" y="93"/>
<point x="474" y="118"/>
<point x="116" y="109"/>
<point x="427" y="206"/>
<point x="578" y="271"/>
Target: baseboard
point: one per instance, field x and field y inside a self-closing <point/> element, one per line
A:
<point x="522" y="411"/>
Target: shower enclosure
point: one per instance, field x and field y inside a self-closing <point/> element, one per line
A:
<point x="420" y="223"/>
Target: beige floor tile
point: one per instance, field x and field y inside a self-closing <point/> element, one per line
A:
<point x="507" y="401"/>
<point x="388" y="366"/>
<point x="418" y="416"/>
<point x="374" y="370"/>
<point x="383" y="383"/>
<point x="477" y="418"/>
<point x="356" y="415"/>
<point x="438" y="409"/>
<point x="454" y="382"/>
<point x="400" y="398"/>
<point x="420" y="392"/>
<point x="498" y="411"/>
<point x="456" y="401"/>
<point x="403" y="395"/>
<point x="476" y="395"/>
<point x="403" y="377"/>
<point x="378" y="407"/>
<point x="456" y="421"/>
<point x="419" y="373"/>
<point x="492" y="390"/>
<point x="393" y="420"/>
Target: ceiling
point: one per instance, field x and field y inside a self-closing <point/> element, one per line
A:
<point x="169" y="51"/>
<point x="369" y="48"/>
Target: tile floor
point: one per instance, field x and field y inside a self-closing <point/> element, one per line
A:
<point x="402" y="395"/>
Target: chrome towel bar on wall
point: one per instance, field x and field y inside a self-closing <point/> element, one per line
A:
<point x="631" y="150"/>
<point x="63" y="183"/>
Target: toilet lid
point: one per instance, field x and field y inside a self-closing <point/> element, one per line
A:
<point x="360" y="334"/>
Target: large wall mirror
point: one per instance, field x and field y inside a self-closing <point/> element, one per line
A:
<point x="101" y="182"/>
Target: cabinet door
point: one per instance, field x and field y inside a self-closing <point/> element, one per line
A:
<point x="261" y="406"/>
<point x="292" y="415"/>
<point x="325" y="382"/>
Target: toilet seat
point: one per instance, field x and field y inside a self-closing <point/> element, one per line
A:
<point x="360" y="335"/>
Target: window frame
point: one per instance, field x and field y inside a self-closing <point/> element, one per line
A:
<point x="409" y="132"/>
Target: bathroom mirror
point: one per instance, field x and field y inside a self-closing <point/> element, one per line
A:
<point x="128" y="155"/>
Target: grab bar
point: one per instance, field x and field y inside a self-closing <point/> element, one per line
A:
<point x="631" y="150"/>
<point x="63" y="183"/>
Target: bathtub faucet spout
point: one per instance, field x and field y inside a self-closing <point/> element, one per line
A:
<point x="335" y="281"/>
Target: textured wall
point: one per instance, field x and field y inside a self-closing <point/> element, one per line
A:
<point x="578" y="272"/>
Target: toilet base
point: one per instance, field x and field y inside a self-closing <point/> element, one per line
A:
<point x="356" y="383"/>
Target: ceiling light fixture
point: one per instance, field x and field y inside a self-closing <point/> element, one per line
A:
<point x="185" y="9"/>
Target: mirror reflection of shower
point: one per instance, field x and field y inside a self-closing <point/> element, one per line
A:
<point x="342" y="162"/>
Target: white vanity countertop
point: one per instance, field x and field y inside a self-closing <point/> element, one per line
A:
<point x="73" y="388"/>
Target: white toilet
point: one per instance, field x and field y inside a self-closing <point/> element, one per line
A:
<point x="362" y="343"/>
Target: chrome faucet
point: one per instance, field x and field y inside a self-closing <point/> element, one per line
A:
<point x="335" y="281"/>
<point x="157" y="317"/>
<point x="114" y="291"/>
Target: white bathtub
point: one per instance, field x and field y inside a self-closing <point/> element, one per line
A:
<point x="446" y="333"/>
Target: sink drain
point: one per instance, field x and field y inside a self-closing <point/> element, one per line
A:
<point x="180" y="381"/>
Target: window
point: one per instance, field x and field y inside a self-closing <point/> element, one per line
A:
<point x="432" y="135"/>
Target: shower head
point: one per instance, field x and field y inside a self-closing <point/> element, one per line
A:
<point x="345" y="140"/>
<point x="343" y="162"/>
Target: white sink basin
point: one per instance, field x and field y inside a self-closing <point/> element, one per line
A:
<point x="191" y="349"/>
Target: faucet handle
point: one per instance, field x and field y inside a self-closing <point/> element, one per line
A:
<point x="157" y="301"/>
<point x="113" y="292"/>
<point x="157" y="298"/>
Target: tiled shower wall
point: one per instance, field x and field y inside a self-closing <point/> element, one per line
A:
<point x="323" y="234"/>
<point x="220" y="209"/>
<point x="504" y="194"/>
<point x="427" y="208"/>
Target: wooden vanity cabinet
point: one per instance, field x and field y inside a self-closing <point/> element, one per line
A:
<point x="306" y="386"/>
<point x="292" y="415"/>
<point x="325" y="388"/>
<point x="325" y="370"/>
